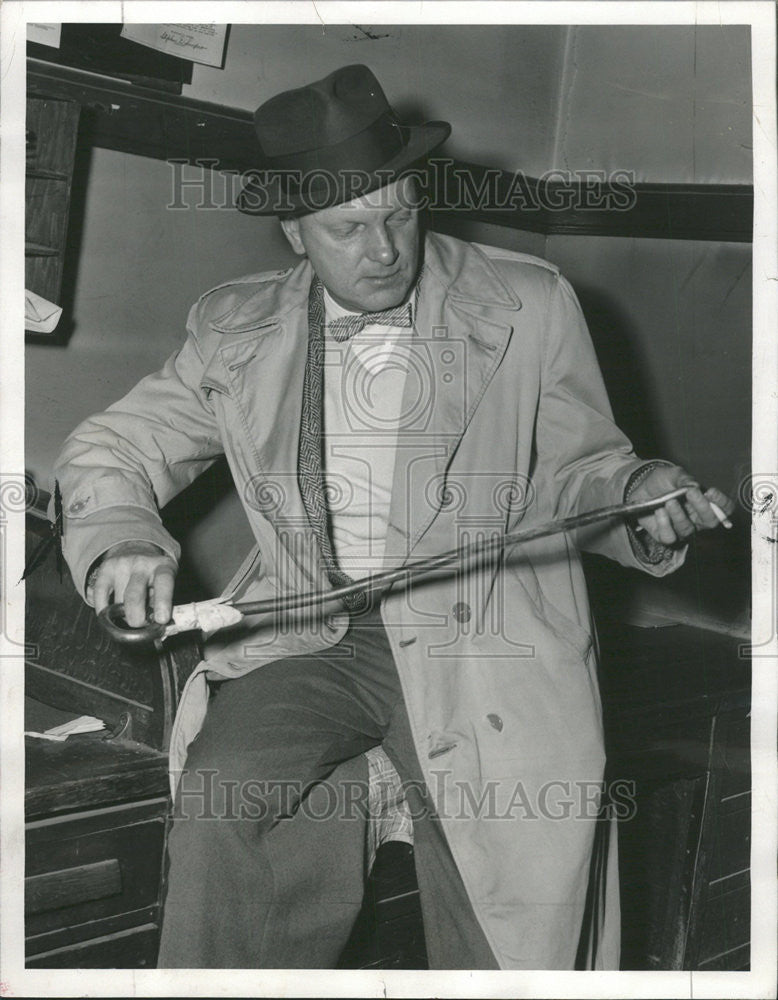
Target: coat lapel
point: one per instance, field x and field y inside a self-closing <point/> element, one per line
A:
<point x="262" y="368"/>
<point x="462" y="335"/>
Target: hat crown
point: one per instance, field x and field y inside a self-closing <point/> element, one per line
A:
<point x="322" y="113"/>
<point x="329" y="142"/>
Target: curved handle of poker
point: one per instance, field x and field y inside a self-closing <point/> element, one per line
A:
<point x="115" y="624"/>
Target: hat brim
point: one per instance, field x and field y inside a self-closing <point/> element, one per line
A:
<point x="264" y="193"/>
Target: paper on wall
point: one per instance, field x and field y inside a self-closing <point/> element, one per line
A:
<point x="44" y="34"/>
<point x="201" y="43"/>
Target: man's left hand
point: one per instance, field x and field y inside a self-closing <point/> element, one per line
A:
<point x="678" y="519"/>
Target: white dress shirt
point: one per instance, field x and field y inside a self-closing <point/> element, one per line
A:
<point x="364" y="379"/>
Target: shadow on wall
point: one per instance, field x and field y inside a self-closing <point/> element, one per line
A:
<point x="208" y="521"/>
<point x="623" y="367"/>
<point x="713" y="586"/>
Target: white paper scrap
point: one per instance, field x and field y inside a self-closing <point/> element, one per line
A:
<point x="83" y="724"/>
<point x="40" y="315"/>
<point x="208" y="616"/>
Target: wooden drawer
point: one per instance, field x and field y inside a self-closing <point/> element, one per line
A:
<point x="90" y="867"/>
<point x="131" y="949"/>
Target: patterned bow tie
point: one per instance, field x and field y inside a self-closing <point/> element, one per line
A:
<point x="348" y="326"/>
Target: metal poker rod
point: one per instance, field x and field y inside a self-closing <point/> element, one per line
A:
<point x="113" y="621"/>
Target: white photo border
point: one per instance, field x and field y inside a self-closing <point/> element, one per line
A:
<point x="15" y="980"/>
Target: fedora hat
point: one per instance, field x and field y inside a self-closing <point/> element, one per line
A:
<point x="329" y="142"/>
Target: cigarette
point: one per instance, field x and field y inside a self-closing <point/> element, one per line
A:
<point x="720" y="514"/>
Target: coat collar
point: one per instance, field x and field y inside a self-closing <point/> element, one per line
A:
<point x="465" y="324"/>
<point x="467" y="274"/>
<point x="266" y="305"/>
<point x="462" y="269"/>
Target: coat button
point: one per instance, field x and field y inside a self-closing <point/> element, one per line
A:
<point x="495" y="721"/>
<point x="331" y="623"/>
<point x="461" y="611"/>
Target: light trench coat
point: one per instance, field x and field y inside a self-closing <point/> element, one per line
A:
<point x="507" y="422"/>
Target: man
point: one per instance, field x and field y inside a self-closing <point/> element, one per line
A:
<point x="387" y="399"/>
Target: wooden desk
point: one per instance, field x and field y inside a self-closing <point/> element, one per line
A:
<point x="96" y="814"/>
<point x="96" y="807"/>
<point x="677" y="705"/>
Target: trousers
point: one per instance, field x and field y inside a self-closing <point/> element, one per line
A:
<point x="266" y="862"/>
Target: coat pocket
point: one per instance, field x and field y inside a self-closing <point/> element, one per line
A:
<point x="570" y="631"/>
<point x="565" y="628"/>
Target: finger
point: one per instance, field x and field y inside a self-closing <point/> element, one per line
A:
<point x="699" y="503"/>
<point x="651" y="526"/>
<point x="691" y="503"/>
<point x="681" y="524"/>
<point x="664" y="528"/>
<point x="162" y="601"/>
<point x="727" y="504"/>
<point x="694" y="517"/>
<point x="103" y="590"/>
<point x="120" y="571"/>
<point x="135" y="599"/>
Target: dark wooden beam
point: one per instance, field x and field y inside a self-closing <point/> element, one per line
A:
<point x="587" y="206"/>
<point x="131" y="119"/>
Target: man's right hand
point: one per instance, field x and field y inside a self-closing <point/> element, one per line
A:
<point x="137" y="574"/>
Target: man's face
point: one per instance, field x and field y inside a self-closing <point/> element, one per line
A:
<point x="366" y="251"/>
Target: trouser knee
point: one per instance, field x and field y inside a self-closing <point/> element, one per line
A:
<point x="222" y="793"/>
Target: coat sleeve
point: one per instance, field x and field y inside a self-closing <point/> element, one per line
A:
<point x="118" y="468"/>
<point x="583" y="460"/>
